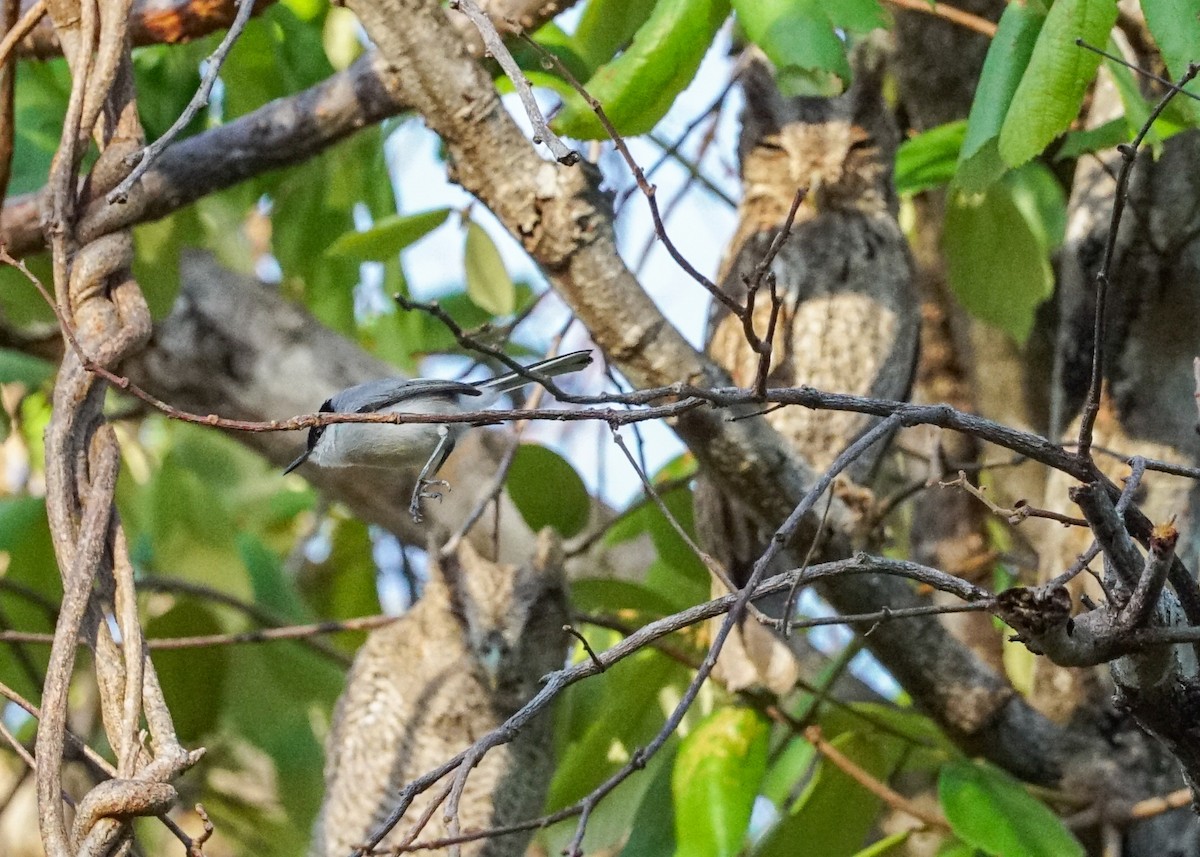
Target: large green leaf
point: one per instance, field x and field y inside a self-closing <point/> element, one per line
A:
<point x="997" y="264"/>
<point x="929" y="159"/>
<point x="388" y="236"/>
<point x="607" y="26"/>
<point x="276" y="55"/>
<point x="1175" y="25"/>
<point x="653" y="829"/>
<point x="835" y="813"/>
<point x="1007" y="59"/>
<point x="990" y="810"/>
<point x="717" y="774"/>
<point x="797" y="36"/>
<point x="488" y="282"/>
<point x="547" y="491"/>
<point x="40" y="100"/>
<point x="677" y="574"/>
<point x="16" y="366"/>
<point x="638" y="87"/>
<point x="193" y="680"/>
<point x="29" y="563"/>
<point x="1052" y="88"/>
<point x="598" y="723"/>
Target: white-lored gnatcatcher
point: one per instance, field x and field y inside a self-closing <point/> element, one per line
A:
<point x="401" y="446"/>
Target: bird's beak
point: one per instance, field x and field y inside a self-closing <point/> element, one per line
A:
<point x="300" y="459"/>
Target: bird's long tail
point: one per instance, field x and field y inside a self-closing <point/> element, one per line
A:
<point x="554" y="366"/>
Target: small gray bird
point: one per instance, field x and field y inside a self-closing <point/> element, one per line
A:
<point x="458" y="664"/>
<point x="413" y="444"/>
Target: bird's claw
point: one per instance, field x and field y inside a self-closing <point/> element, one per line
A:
<point x="421" y="492"/>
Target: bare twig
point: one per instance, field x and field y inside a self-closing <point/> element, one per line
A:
<point x="21" y="29"/>
<point x="1128" y="154"/>
<point x="948" y="13"/>
<point x="142" y="160"/>
<point x="889" y="796"/>
<point x="1018" y="513"/>
<point x="587" y="647"/>
<point x="647" y="189"/>
<point x="563" y="153"/>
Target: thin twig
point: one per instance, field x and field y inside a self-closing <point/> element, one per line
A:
<point x="21" y="29"/>
<point x="1128" y="152"/>
<point x="715" y="568"/>
<point x="647" y="189"/>
<point x="789" y="602"/>
<point x="261" y="635"/>
<point x="587" y="647"/>
<point x="889" y="796"/>
<point x="142" y="160"/>
<point x="563" y="153"/>
<point x="1015" y="515"/>
<point x="948" y="13"/>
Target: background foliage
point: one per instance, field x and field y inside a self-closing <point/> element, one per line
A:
<point x="224" y="543"/>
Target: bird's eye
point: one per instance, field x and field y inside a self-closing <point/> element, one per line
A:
<point x="862" y="144"/>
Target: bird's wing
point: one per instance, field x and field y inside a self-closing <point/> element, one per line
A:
<point x="377" y="395"/>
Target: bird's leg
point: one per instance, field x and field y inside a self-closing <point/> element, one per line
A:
<point x="425" y="478"/>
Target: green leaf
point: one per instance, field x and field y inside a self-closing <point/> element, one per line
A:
<point x="1077" y="143"/>
<point x="1042" y="201"/>
<point x="40" y="101"/>
<point x="889" y="846"/>
<point x="271" y="586"/>
<point x="677" y="574"/>
<point x="787" y="769"/>
<point x="488" y="282"/>
<point x="638" y="87"/>
<point x="717" y="775"/>
<point x="1052" y="88"/>
<point x="857" y="16"/>
<point x="388" y="236"/>
<point x="157" y="246"/>
<point x="1175" y="26"/>
<point x="1007" y="57"/>
<point x="193" y="680"/>
<point x="611" y="595"/>
<point x="18" y="367"/>
<point x="835" y="814"/>
<point x="929" y="159"/>
<point x="653" y="829"/>
<point x="598" y="723"/>
<point x="277" y="54"/>
<point x="990" y="810"/>
<point x="27" y="559"/>
<point x="797" y="36"/>
<point x="343" y="586"/>
<point x="547" y="491"/>
<point x="997" y="264"/>
<point x="606" y="26"/>
<point x="20" y="303"/>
